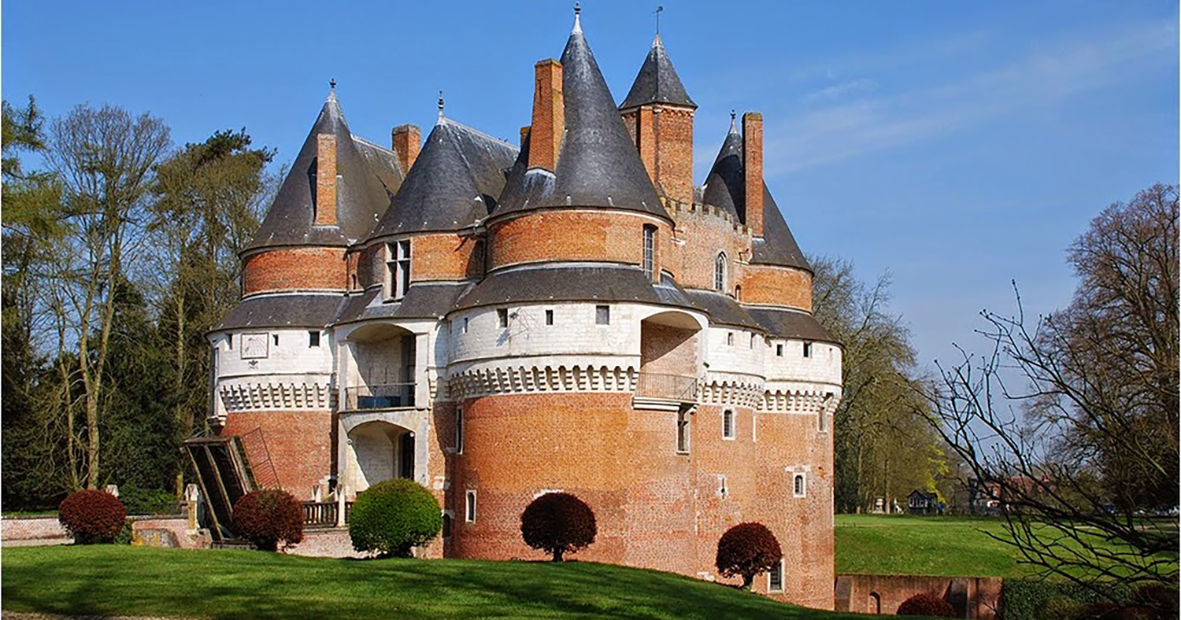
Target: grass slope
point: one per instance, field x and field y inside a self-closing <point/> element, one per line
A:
<point x="900" y="545"/>
<point x="117" y="580"/>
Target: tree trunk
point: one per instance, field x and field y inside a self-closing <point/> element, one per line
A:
<point x="558" y="554"/>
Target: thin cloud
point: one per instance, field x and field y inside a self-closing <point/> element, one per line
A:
<point x="1046" y="76"/>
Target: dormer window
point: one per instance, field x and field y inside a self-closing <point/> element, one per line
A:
<point x="720" y="273"/>
<point x="398" y="265"/>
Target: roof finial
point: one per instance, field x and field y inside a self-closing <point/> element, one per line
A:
<point x="733" y="122"/>
<point x="577" y="19"/>
<point x="658" y="11"/>
<point x="440" y="105"/>
<point x="332" y="89"/>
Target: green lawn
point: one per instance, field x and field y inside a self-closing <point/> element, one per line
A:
<point x="118" y="580"/>
<point x="901" y="545"/>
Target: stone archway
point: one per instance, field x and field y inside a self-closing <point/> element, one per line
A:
<point x="378" y="451"/>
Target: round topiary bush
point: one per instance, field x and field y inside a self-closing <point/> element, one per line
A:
<point x="269" y="517"/>
<point x="92" y="516"/>
<point x="558" y="523"/>
<point x="393" y="516"/>
<point x="747" y="549"/>
<point x="926" y="605"/>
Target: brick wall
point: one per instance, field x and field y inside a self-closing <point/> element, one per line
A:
<point x="972" y="597"/>
<point x="572" y="235"/>
<point x="299" y="443"/>
<point x="292" y="269"/>
<point x="777" y="286"/>
<point x="664" y="138"/>
<point x="445" y="257"/>
<point x="706" y="231"/>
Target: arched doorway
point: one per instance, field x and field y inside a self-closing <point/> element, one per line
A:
<point x="378" y="451"/>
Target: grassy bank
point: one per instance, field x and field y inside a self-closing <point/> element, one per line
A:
<point x="117" y="580"/>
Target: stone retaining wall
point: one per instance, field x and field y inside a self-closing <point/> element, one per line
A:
<point x="972" y="597"/>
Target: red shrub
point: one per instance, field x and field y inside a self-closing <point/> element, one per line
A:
<point x="926" y="605"/>
<point x="92" y="516"/>
<point x="747" y="549"/>
<point x="269" y="517"/>
<point x="558" y="523"/>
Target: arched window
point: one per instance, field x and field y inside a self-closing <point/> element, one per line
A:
<point x="720" y="273"/>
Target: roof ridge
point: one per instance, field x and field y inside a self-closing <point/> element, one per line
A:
<point x="371" y="143"/>
<point x="473" y="130"/>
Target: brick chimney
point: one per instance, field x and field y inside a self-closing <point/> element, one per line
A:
<point x="525" y="135"/>
<point x="325" y="180"/>
<point x="549" y="115"/>
<point x="752" y="157"/>
<point x="407" y="142"/>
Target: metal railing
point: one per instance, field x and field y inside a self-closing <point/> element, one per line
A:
<point x="681" y="388"/>
<point x="385" y="396"/>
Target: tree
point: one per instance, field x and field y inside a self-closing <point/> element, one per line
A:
<point x="746" y="550"/>
<point x="393" y="516"/>
<point x="1074" y="418"/>
<point x="883" y="444"/>
<point x="558" y="523"/>
<point x="104" y="158"/>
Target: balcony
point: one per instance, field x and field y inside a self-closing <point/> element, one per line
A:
<point x="664" y="387"/>
<point x="381" y="396"/>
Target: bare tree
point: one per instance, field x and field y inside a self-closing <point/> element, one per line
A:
<point x="1073" y="419"/>
<point x="104" y="158"/>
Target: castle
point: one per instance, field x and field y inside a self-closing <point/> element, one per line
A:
<point x="497" y="321"/>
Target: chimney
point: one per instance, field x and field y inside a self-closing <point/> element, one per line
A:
<point x="549" y="115"/>
<point x="752" y="157"/>
<point x="525" y="135"/>
<point x="325" y="180"/>
<point x="407" y="142"/>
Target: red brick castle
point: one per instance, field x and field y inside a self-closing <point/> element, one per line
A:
<point x="497" y="321"/>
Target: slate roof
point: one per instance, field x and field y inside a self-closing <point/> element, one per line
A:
<point x="423" y="300"/>
<point x="657" y="82"/>
<point x="598" y="165"/>
<point x="790" y="324"/>
<point x="362" y="195"/>
<point x="618" y="283"/>
<point x="283" y="311"/>
<point x="455" y="181"/>
<point x="722" y="309"/>
<point x="725" y="188"/>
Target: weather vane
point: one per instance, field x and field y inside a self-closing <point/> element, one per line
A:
<point x="657" y="12"/>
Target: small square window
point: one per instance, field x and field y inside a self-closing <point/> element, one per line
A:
<point x="313" y="339"/>
<point x="470" y="511"/>
<point x="602" y="315"/>
<point x="275" y="337"/>
<point x="798" y="486"/>
<point x="502" y="317"/>
<point x="807" y="349"/>
<point x="728" y="424"/>
<point x="549" y="317"/>
<point x="730" y="339"/>
<point x="775" y="577"/>
<point x="230" y="341"/>
<point x="779" y="350"/>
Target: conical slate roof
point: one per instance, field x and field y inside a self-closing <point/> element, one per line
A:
<point x="454" y="182"/>
<point x="361" y="195"/>
<point x="657" y="82"/>
<point x="598" y="165"/>
<point x="725" y="188"/>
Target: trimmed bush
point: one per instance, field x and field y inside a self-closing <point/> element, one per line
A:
<point x="269" y="517"/>
<point x="747" y="549"/>
<point x="393" y="516"/>
<point x="92" y="516"/>
<point x="558" y="523"/>
<point x="926" y="605"/>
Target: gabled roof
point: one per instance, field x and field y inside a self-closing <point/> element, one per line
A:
<point x="454" y="182"/>
<point x="598" y="165"/>
<point x="362" y="194"/>
<point x="657" y="82"/>
<point x="725" y="188"/>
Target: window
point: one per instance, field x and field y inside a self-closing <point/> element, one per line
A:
<point x="470" y="509"/>
<point x="683" y="432"/>
<point x="727" y="424"/>
<point x="313" y="339"/>
<point x="723" y="489"/>
<point x="398" y="264"/>
<point x="720" y="273"/>
<point x="459" y="430"/>
<point x="275" y="337"/>
<point x="752" y="341"/>
<point x="549" y="317"/>
<point x="807" y="349"/>
<point x="798" y="489"/>
<point x="738" y="293"/>
<point x="730" y="339"/>
<point x="502" y="317"/>
<point x="602" y="315"/>
<point x="446" y="525"/>
<point x="775" y="577"/>
<point x="649" y="251"/>
<point x="465" y="324"/>
<point x="779" y="350"/>
<point x="230" y="341"/>
<point x="354" y="280"/>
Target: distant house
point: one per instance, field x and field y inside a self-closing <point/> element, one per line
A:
<point x="920" y="503"/>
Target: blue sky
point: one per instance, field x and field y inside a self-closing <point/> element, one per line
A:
<point x="957" y="145"/>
